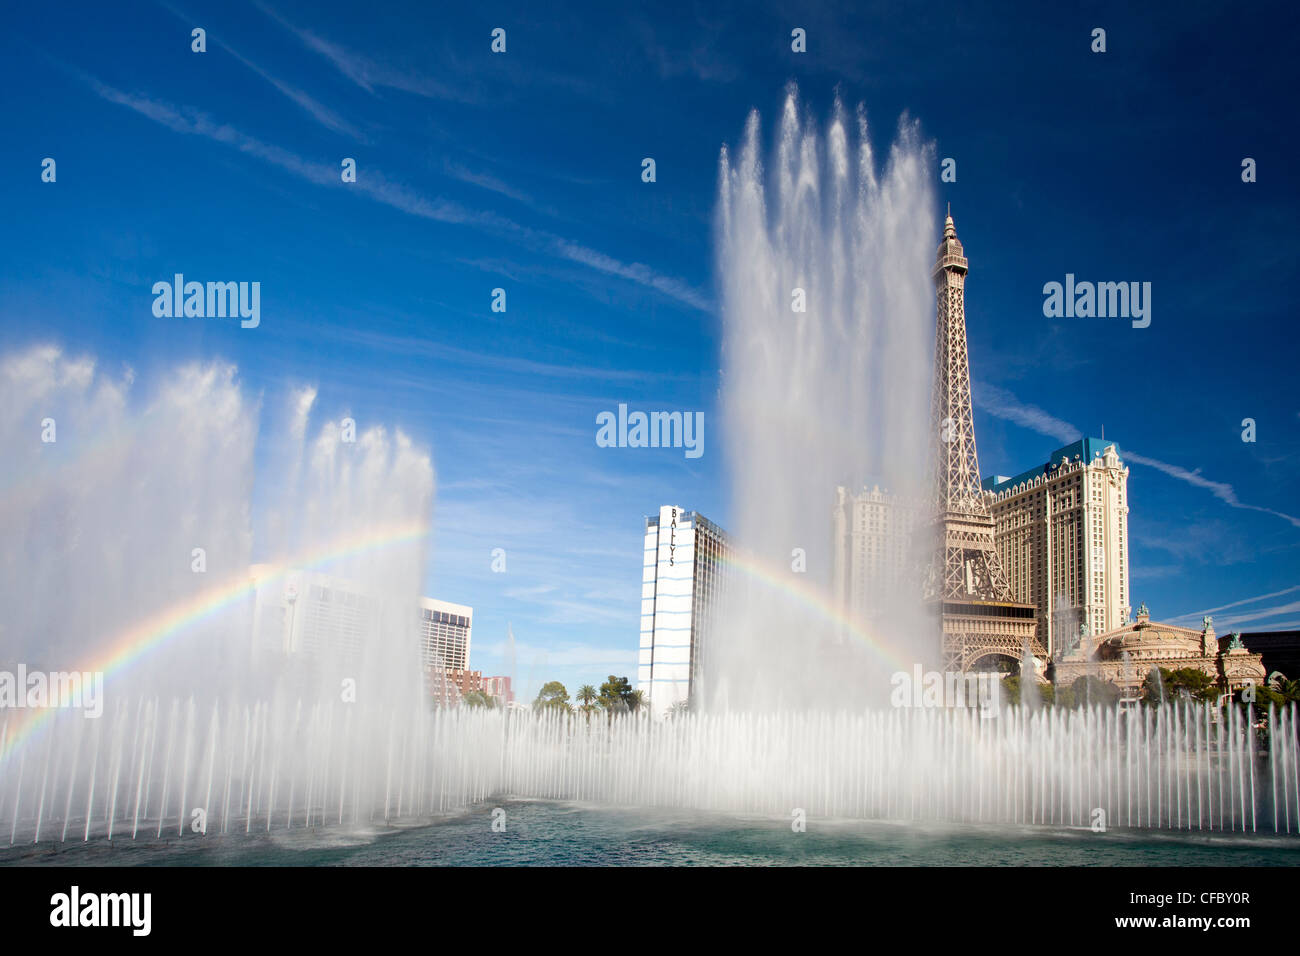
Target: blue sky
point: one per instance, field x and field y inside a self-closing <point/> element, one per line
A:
<point x="522" y="171"/>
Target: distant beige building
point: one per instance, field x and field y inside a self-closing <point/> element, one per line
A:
<point x="301" y="613"/>
<point x="875" y="561"/>
<point x="1061" y="531"/>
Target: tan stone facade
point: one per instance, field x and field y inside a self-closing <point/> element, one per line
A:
<point x="1125" y="655"/>
<point x="1062" y="535"/>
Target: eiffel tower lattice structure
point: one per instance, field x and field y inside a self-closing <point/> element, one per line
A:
<point x="980" y="619"/>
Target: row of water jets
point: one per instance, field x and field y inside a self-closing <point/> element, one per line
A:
<point x="159" y="769"/>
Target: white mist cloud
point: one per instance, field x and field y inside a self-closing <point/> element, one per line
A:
<point x="100" y="525"/>
<point x="136" y="522"/>
<point x="836" y="394"/>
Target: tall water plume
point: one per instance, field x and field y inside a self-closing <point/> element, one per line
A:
<point x="133" y="515"/>
<point x="827" y="306"/>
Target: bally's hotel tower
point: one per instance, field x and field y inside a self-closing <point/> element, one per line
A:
<point x="681" y="577"/>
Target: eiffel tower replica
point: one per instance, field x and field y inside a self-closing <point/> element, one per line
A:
<point x="966" y="585"/>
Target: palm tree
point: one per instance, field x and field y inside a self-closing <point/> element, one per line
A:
<point x="586" y="693"/>
<point x="636" y="700"/>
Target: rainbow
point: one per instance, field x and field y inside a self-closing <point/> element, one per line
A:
<point x="812" y="598"/>
<point x="136" y="641"/>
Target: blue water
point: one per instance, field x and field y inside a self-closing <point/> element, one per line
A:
<point x="539" y="833"/>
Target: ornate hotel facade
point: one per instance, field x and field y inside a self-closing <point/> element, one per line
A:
<point x="1062" y="534"/>
<point x="1125" y="655"/>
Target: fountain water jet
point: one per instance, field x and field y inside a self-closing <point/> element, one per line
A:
<point x="1054" y="767"/>
<point x="827" y="310"/>
<point x="127" y="550"/>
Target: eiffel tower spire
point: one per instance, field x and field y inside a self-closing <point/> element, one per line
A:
<point x="958" y="490"/>
<point x="980" y="617"/>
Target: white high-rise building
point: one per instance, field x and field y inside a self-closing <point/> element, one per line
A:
<point x="1062" y="533"/>
<point x="682" y="576"/>
<point x="445" y="631"/>
<point x="875" y="560"/>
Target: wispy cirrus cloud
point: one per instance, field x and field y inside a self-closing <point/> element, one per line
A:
<point x="397" y="195"/>
<point x="195" y="123"/>
<point x="1248" y="616"/>
<point x="1258" y="617"/>
<point x="1220" y="489"/>
<point x="1242" y="602"/>
<point x="692" y="50"/>
<point x="531" y="368"/>
<point x="369" y="74"/>
<point x="494" y="184"/>
<point x="313" y="107"/>
<point x="1002" y="404"/>
<point x="485" y="181"/>
<point x="317" y="110"/>
<point x="462" y="81"/>
<point x="635" y="272"/>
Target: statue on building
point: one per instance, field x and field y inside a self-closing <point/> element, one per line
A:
<point x="1074" y="643"/>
